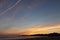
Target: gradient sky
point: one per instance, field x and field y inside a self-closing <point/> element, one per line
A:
<point x="17" y="15"/>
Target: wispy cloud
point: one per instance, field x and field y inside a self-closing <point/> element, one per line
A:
<point x="9" y="8"/>
<point x="35" y="4"/>
<point x="35" y="30"/>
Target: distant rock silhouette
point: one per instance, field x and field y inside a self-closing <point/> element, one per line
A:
<point x="54" y="34"/>
<point x="50" y="34"/>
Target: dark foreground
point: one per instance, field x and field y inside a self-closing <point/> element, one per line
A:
<point x="38" y="38"/>
<point x="51" y="36"/>
<point x="43" y="38"/>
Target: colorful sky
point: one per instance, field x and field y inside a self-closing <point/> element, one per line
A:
<point x="29" y="16"/>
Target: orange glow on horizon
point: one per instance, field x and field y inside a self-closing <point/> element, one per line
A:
<point x="35" y="30"/>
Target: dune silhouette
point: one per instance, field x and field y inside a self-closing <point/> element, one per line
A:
<point x="50" y="36"/>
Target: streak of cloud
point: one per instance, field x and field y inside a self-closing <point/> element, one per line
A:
<point x="35" y="4"/>
<point x="34" y="30"/>
<point x="10" y="8"/>
<point x="44" y="29"/>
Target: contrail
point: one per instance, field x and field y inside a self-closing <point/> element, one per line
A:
<point x="10" y="8"/>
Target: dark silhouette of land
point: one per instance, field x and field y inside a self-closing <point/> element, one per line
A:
<point x="50" y="36"/>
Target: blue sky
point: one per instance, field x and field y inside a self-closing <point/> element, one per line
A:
<point x="20" y="14"/>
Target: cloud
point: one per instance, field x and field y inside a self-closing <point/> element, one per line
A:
<point x="9" y="8"/>
<point x="44" y="29"/>
<point x="35" y="3"/>
<point x="35" y="30"/>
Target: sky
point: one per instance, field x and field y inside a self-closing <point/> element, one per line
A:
<point x="36" y="16"/>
